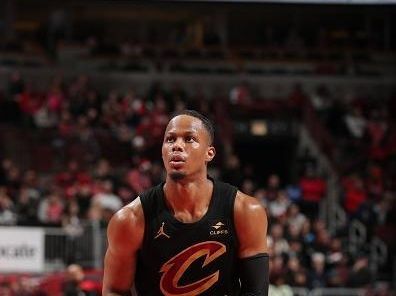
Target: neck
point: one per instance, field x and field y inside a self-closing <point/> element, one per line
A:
<point x="188" y="196"/>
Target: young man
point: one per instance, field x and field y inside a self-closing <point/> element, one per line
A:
<point x="190" y="235"/>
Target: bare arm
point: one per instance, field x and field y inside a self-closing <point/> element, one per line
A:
<point x="251" y="226"/>
<point x="125" y="235"/>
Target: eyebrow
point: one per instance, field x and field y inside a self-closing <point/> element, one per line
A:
<point x="189" y="132"/>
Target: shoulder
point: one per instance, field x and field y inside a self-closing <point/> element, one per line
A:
<point x="247" y="205"/>
<point x="127" y="225"/>
<point x="248" y="212"/>
<point x="132" y="213"/>
<point x="251" y="223"/>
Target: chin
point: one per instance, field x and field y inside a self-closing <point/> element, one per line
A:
<point x="177" y="176"/>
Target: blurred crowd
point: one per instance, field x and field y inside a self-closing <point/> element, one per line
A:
<point x="335" y="49"/>
<point x="363" y="130"/>
<point x="303" y="252"/>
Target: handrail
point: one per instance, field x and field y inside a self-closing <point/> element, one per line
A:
<point x="357" y="236"/>
<point x="378" y="254"/>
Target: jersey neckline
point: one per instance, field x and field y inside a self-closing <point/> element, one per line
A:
<point x="176" y="221"/>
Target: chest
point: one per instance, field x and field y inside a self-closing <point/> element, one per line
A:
<point x="212" y="238"/>
<point x="166" y="234"/>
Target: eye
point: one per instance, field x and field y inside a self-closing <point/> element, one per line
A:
<point x="170" y="139"/>
<point x="190" y="139"/>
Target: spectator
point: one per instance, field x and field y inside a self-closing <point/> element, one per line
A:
<point x="73" y="226"/>
<point x="279" y="206"/>
<point x="317" y="275"/>
<point x="51" y="209"/>
<point x="26" y="207"/>
<point x="339" y="270"/>
<point x="83" y="196"/>
<point x="301" y="280"/>
<point x="375" y="182"/>
<point x="248" y="186"/>
<point x="106" y="198"/>
<point x="7" y="208"/>
<point x="87" y="139"/>
<point x="105" y="202"/>
<point x="126" y="194"/>
<point x="74" y="278"/>
<point x="295" y="275"/>
<point x="66" y="126"/>
<point x="335" y="254"/>
<point x="14" y="180"/>
<point x="280" y="288"/>
<point x="296" y="249"/>
<point x="157" y="173"/>
<point x="295" y="217"/>
<point x="277" y="241"/>
<point x="74" y="173"/>
<point x="103" y="170"/>
<point x="307" y="234"/>
<point x="293" y="192"/>
<point x="273" y="187"/>
<point x="277" y="267"/>
<point x="323" y="240"/>
<point x="29" y="104"/>
<point x="240" y="95"/>
<point x="23" y="286"/>
<point x="313" y="188"/>
<point x="44" y="118"/>
<point x="356" y="123"/>
<point x="71" y="221"/>
<point x="55" y="98"/>
<point x="138" y="179"/>
<point x="354" y="192"/>
<point x="5" y="289"/>
<point x="360" y="275"/>
<point x="322" y="101"/>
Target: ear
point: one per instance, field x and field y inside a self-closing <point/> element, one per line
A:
<point x="210" y="153"/>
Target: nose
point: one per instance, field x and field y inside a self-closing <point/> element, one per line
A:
<point x="178" y="145"/>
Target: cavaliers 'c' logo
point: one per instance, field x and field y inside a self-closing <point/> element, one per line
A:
<point x="174" y="269"/>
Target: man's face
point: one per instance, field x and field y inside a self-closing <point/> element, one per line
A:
<point x="186" y="148"/>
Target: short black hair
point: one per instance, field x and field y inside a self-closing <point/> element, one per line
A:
<point x="205" y="121"/>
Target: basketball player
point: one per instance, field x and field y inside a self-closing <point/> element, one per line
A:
<point x="190" y="235"/>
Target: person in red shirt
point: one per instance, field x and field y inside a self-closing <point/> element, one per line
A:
<point x="354" y="194"/>
<point x="313" y="189"/>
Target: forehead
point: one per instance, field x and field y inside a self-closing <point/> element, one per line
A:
<point x="184" y="123"/>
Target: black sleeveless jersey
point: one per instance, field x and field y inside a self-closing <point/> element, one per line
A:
<point x="188" y="259"/>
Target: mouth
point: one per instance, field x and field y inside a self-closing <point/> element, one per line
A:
<point x="177" y="160"/>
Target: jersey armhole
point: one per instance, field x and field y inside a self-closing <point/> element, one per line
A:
<point x="231" y="212"/>
<point x="149" y="205"/>
<point x="145" y="217"/>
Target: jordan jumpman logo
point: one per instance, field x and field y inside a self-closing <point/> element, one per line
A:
<point x="161" y="232"/>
